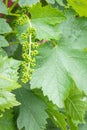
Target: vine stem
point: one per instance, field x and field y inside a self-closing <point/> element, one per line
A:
<point x="6" y="2"/>
<point x="30" y="41"/>
<point x="12" y="7"/>
<point x="13" y="14"/>
<point x="30" y="38"/>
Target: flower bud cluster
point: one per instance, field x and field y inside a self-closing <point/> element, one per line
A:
<point x="29" y="50"/>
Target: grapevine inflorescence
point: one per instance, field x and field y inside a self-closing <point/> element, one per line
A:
<point x="29" y="48"/>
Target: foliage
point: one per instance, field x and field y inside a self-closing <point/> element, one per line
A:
<point x="43" y="65"/>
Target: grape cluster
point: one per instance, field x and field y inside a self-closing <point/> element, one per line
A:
<point x="28" y="64"/>
<point x="29" y="49"/>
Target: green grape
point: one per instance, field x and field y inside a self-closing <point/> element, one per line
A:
<point x="33" y="64"/>
<point x="24" y="36"/>
<point x="34" y="53"/>
<point x="31" y="71"/>
<point x="32" y="31"/>
<point x="35" y="45"/>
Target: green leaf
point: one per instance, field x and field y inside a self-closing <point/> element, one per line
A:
<point x="27" y="2"/>
<point x="8" y="82"/>
<point x="3" y="8"/>
<point x="5" y="28"/>
<point x="32" y="115"/>
<point x="53" y="1"/>
<point x="51" y="75"/>
<point x="51" y="126"/>
<point x="2" y="52"/>
<point x="73" y="31"/>
<point x="66" y="61"/>
<point x="83" y="126"/>
<point x="79" y="6"/>
<point x="46" y="23"/>
<point x="57" y="118"/>
<point x="6" y="121"/>
<point x="3" y="42"/>
<point x="76" y="104"/>
<point x="8" y="73"/>
<point x="60" y="2"/>
<point x="72" y="126"/>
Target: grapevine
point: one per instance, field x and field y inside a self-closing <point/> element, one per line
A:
<point x="43" y="65"/>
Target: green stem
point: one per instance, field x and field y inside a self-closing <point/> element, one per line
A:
<point x="30" y="41"/>
<point x="6" y="2"/>
<point x="12" y="7"/>
<point x="13" y="14"/>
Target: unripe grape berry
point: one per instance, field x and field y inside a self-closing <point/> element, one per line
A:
<point x="24" y="36"/>
<point x="35" y="45"/>
<point x="34" y="53"/>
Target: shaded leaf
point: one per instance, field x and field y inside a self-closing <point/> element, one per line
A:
<point x="6" y="121"/>
<point x="3" y="42"/>
<point x="3" y="8"/>
<point x="32" y="115"/>
<point x="57" y="118"/>
<point x="53" y="1"/>
<point x="2" y="52"/>
<point x="51" y="126"/>
<point x="60" y="2"/>
<point x="4" y="27"/>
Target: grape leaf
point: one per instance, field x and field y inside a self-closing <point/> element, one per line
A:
<point x="83" y="126"/>
<point x="57" y="118"/>
<point x="3" y="42"/>
<point x="79" y="6"/>
<point x="73" y="31"/>
<point x="51" y="126"/>
<point x="59" y="67"/>
<point x="53" y="1"/>
<point x="8" y="82"/>
<point x="32" y="115"/>
<point x="5" y="28"/>
<point x="3" y="8"/>
<point x="27" y="2"/>
<point x="54" y="78"/>
<point x="72" y="126"/>
<point x="67" y="61"/>
<point x="46" y="23"/>
<point x="60" y="2"/>
<point x="2" y="52"/>
<point x="6" y="121"/>
<point x="76" y="104"/>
